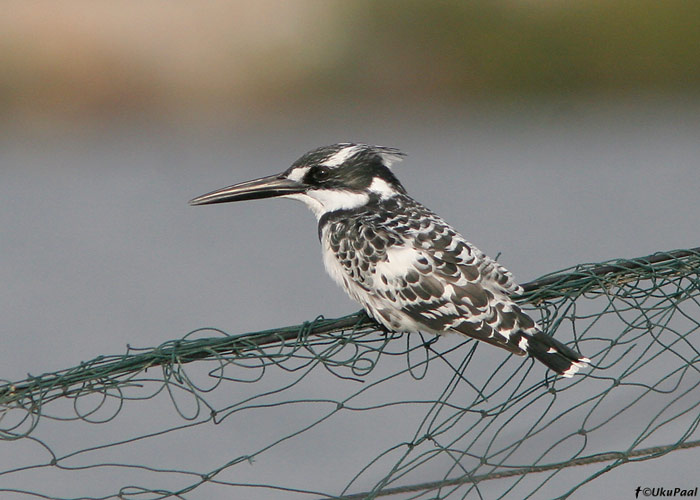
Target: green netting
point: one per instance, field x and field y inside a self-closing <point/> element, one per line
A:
<point x="351" y="411"/>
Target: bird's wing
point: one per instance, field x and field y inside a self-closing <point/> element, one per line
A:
<point x="474" y="296"/>
<point x="436" y="278"/>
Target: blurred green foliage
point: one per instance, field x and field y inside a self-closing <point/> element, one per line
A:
<point x="529" y="46"/>
<point x="97" y="56"/>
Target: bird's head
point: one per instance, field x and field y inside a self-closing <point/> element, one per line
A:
<point x="338" y="177"/>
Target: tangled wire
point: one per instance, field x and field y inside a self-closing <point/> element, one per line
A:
<point x="375" y="413"/>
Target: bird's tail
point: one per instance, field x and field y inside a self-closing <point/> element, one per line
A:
<point x="554" y="354"/>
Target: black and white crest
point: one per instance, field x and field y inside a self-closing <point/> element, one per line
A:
<point x="348" y="154"/>
<point x="409" y="269"/>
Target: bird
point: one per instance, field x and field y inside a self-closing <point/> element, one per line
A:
<point x="410" y="270"/>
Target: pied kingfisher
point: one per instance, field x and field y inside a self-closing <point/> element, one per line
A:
<point x="409" y="269"/>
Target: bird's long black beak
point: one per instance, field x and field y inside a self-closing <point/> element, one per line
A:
<point x="265" y="187"/>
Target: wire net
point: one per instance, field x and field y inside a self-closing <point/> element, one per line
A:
<point x="341" y="409"/>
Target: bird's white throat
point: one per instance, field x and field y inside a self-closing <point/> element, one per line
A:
<point x="322" y="201"/>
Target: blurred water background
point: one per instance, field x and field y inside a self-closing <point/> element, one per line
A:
<point x="554" y="133"/>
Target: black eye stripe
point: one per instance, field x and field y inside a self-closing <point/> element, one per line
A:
<point x="318" y="173"/>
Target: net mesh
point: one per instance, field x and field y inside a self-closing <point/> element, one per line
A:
<point x="338" y="408"/>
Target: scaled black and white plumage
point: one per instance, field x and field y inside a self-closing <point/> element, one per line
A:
<point x="409" y="269"/>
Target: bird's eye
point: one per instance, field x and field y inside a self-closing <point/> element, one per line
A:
<point x="321" y="173"/>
